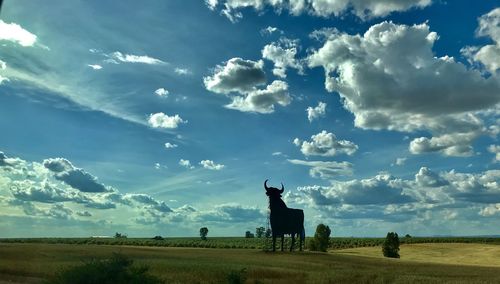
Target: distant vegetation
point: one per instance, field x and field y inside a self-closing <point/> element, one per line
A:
<point x="260" y="232"/>
<point x="246" y="243"/>
<point x="120" y="236"/>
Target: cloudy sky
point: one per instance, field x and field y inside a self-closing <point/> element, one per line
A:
<point x="159" y="117"/>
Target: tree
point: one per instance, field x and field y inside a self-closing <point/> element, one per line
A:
<point x="249" y="234"/>
<point x="390" y="247"/>
<point x="260" y="231"/>
<point x="120" y="236"/>
<point x="321" y="238"/>
<point x="268" y="233"/>
<point x="203" y="233"/>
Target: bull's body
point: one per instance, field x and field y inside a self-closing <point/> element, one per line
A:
<point x="284" y="220"/>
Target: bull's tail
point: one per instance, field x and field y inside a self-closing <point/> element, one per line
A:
<point x="303" y="234"/>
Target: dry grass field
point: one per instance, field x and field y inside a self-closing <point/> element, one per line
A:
<point x="461" y="254"/>
<point x="31" y="263"/>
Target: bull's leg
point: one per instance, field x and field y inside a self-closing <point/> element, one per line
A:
<point x="293" y="242"/>
<point x="302" y="237"/>
<point x="282" y="242"/>
<point x="274" y="242"/>
<point x="301" y="242"/>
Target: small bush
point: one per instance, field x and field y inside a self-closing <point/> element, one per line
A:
<point x="158" y="238"/>
<point x="237" y="277"/>
<point x="117" y="269"/>
<point x="321" y="238"/>
<point x="390" y="247"/>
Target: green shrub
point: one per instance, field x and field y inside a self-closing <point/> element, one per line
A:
<point x="321" y="238"/>
<point x="117" y="269"/>
<point x="237" y="276"/>
<point x="390" y="247"/>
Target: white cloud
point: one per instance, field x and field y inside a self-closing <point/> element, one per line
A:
<point x="455" y="144"/>
<point x="270" y="30"/>
<point x="3" y="65"/>
<point x="186" y="164"/>
<point x="364" y="9"/>
<point x="34" y="185"/>
<point x="237" y="75"/>
<point x="400" y="161"/>
<point x="490" y="210"/>
<point x="208" y="164"/>
<point x="481" y="187"/>
<point x="390" y="79"/>
<point x="15" y="33"/>
<point x="230" y="213"/>
<point x="3" y="79"/>
<point x="327" y="145"/>
<point x="262" y="101"/>
<point x="283" y="54"/>
<point x="169" y="145"/>
<point x="488" y="55"/>
<point x="162" y="92"/>
<point x="129" y="58"/>
<point x="243" y="77"/>
<point x="161" y="120"/>
<point x="316" y="112"/>
<point x="95" y="66"/>
<point x="325" y="170"/>
<point x="389" y="198"/>
<point x="211" y="4"/>
<point x="427" y="178"/>
<point x="183" y="71"/>
<point x="495" y="149"/>
<point x="74" y="177"/>
<point x="381" y="189"/>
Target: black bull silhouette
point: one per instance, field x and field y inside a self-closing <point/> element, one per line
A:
<point x="284" y="220"/>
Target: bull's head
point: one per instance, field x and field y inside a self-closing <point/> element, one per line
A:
<point x="273" y="191"/>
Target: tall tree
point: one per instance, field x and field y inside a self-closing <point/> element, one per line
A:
<point x="390" y="247"/>
<point x="203" y="233"/>
<point x="260" y="231"/>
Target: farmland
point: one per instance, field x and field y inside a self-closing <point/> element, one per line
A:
<point x="243" y="243"/>
<point x="33" y="262"/>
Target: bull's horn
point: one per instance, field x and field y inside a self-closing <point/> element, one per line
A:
<point x="265" y="185"/>
<point x="282" y="188"/>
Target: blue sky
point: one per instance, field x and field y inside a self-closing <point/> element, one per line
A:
<point x="160" y="117"/>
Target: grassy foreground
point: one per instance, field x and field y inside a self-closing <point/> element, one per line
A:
<point x="31" y="263"/>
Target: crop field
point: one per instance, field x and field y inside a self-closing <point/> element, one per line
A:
<point x="34" y="262"/>
<point x="244" y="243"/>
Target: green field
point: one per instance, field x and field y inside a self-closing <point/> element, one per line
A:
<point x="244" y="243"/>
<point x="31" y="263"/>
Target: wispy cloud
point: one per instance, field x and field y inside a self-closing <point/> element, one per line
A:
<point x="117" y="56"/>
